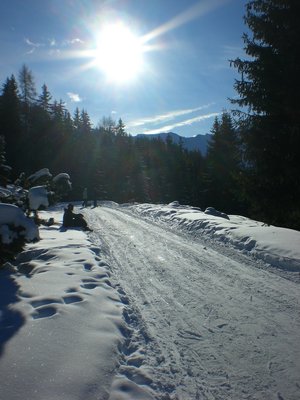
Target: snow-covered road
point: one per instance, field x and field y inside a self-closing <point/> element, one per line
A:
<point x="201" y="324"/>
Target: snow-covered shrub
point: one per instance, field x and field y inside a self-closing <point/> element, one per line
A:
<point x="31" y="194"/>
<point x="61" y="185"/>
<point x="56" y="187"/>
<point x="38" y="198"/>
<point x="4" y="194"/>
<point x="41" y="177"/>
<point x="13" y="194"/>
<point x="15" y="230"/>
<point x="37" y="191"/>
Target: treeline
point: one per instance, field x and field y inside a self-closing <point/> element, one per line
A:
<point x="39" y="132"/>
<point x="252" y="164"/>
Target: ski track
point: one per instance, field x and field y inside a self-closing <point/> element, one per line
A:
<point x="199" y="324"/>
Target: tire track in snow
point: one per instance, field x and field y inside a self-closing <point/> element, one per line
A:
<point x="212" y="326"/>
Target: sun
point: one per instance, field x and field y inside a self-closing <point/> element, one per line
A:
<point x="119" y="53"/>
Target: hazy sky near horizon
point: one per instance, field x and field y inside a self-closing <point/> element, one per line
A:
<point x="160" y="65"/>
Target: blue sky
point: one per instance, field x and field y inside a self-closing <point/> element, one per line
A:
<point x="182" y="78"/>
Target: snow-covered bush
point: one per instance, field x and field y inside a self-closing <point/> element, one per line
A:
<point x="27" y="194"/>
<point x="41" y="177"/>
<point x="15" y="230"/>
<point x="37" y="191"/>
<point x="61" y="185"/>
<point x="38" y="198"/>
<point x="13" y="194"/>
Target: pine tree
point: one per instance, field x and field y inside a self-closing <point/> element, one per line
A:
<point x="27" y="86"/>
<point x="77" y="121"/>
<point x="58" y="111"/>
<point x="269" y="91"/>
<point x="223" y="165"/>
<point x="5" y="170"/>
<point x="86" y="126"/>
<point x="10" y="121"/>
<point x="120" y="128"/>
<point x="44" y="100"/>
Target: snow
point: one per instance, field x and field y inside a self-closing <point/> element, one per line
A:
<point x="278" y="246"/>
<point x="159" y="302"/>
<point x="60" y="176"/>
<point x="14" y="191"/>
<point x="38" y="196"/>
<point x="63" y="178"/>
<point x="13" y="215"/>
<point x="4" y="192"/>
<point x="42" y="173"/>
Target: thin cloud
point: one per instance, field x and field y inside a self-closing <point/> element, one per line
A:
<point x="72" y="42"/>
<point x="52" y="45"/>
<point x="33" y="45"/>
<point x="74" y="97"/>
<point x="52" y="42"/>
<point x="190" y="121"/>
<point x="32" y="50"/>
<point x="157" y="119"/>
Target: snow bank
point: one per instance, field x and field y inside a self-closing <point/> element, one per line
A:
<point x="277" y="246"/>
<point x="61" y="319"/>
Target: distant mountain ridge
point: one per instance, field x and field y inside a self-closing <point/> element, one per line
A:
<point x="198" y="142"/>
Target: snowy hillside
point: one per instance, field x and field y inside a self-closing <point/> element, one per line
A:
<point x="198" y="142"/>
<point x="161" y="302"/>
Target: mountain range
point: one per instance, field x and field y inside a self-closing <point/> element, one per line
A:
<point x="198" y="142"/>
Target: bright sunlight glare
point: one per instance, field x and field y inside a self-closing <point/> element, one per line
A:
<point x="119" y="53"/>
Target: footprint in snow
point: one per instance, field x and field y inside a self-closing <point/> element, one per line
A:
<point x="44" y="302"/>
<point x="25" y="295"/>
<point x="44" y="312"/>
<point x="87" y="266"/>
<point x="44" y="308"/>
<point x="102" y="276"/>
<point x="89" y="285"/>
<point x="72" y="299"/>
<point x="71" y="290"/>
<point x="47" y="307"/>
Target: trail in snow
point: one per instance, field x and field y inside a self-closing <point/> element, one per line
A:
<point x="201" y="325"/>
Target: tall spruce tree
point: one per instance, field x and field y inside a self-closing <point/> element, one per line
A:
<point x="269" y="90"/>
<point x="5" y="170"/>
<point x="44" y="100"/>
<point x="223" y="165"/>
<point x="10" y="121"/>
<point x="120" y="128"/>
<point x="86" y="126"/>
